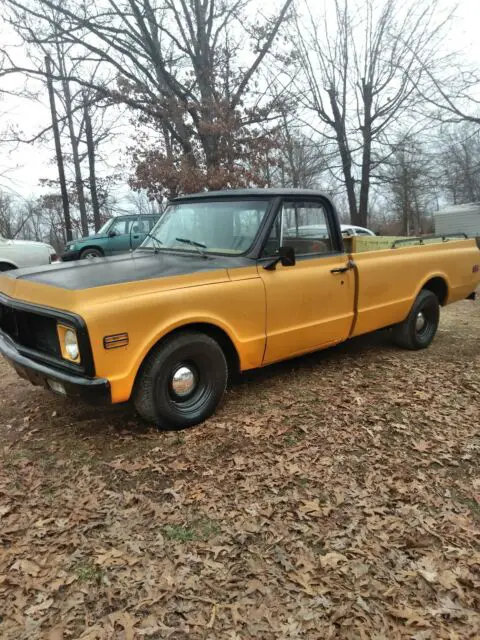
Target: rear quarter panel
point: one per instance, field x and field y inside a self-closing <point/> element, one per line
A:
<point x="390" y="280"/>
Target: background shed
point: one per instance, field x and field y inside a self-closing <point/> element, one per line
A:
<point x="459" y="218"/>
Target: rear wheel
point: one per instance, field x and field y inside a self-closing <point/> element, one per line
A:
<point x="182" y="381"/>
<point x="420" y="327"/>
<point x="4" y="266"/>
<point x="91" y="252"/>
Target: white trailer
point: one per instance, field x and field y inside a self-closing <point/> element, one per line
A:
<point x="459" y="218"/>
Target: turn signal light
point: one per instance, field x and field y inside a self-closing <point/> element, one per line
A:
<point x="115" y="340"/>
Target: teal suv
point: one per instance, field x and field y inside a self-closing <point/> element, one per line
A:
<point x="118" y="235"/>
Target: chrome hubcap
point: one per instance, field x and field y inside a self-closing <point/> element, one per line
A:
<point x="184" y="381"/>
<point x="420" y="322"/>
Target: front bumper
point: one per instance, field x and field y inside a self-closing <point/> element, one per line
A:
<point x="93" y="390"/>
<point x="67" y="256"/>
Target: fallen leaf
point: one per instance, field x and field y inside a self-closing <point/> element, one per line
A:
<point x="332" y="559"/>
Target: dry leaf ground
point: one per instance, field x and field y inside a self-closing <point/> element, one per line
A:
<point x="335" y="496"/>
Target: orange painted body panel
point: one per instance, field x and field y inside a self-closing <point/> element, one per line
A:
<point x="268" y="315"/>
<point x="389" y="280"/>
<point x="308" y="307"/>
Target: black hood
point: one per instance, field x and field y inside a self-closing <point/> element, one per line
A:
<point x="129" y="267"/>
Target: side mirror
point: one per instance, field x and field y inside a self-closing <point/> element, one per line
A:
<point x="287" y="256"/>
<point x="112" y="234"/>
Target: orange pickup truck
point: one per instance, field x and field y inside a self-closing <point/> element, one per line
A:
<point x="225" y="281"/>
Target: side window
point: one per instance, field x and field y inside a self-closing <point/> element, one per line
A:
<point x="151" y="223"/>
<point x="303" y="226"/>
<point x="141" y="225"/>
<point x="121" y="226"/>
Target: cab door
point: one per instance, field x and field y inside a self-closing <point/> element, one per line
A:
<point x="309" y="305"/>
<point x="119" y="236"/>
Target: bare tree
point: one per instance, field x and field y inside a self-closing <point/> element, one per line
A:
<point x="186" y="65"/>
<point x="459" y="162"/>
<point x="58" y="149"/>
<point x="361" y="74"/>
<point x="452" y="90"/>
<point x="91" y="161"/>
<point x="410" y="180"/>
<point x="61" y="61"/>
<point x="301" y="159"/>
<point x="73" y="125"/>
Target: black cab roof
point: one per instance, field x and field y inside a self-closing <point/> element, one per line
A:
<point x="246" y="193"/>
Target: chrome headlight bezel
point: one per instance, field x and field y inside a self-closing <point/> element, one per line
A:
<point x="69" y="344"/>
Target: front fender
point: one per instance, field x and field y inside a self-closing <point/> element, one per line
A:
<point x="235" y="308"/>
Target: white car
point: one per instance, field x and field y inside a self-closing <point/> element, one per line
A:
<point x="314" y="230"/>
<point x="15" y="254"/>
<point x="352" y="230"/>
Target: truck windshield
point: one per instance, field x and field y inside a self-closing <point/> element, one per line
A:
<point x="218" y="226"/>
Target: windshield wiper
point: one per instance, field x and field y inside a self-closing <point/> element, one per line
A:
<point x="159" y="242"/>
<point x="197" y="245"/>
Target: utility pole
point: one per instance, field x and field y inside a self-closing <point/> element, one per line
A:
<point x="58" y="151"/>
<point x="91" y="163"/>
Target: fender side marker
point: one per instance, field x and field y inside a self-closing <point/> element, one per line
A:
<point x="115" y="340"/>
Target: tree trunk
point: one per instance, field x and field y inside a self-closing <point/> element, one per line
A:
<point x="58" y="151"/>
<point x="74" y="142"/>
<point x="366" y="154"/>
<point x="91" y="164"/>
<point x="345" y="157"/>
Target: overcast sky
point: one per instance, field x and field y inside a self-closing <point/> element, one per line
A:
<point x="22" y="167"/>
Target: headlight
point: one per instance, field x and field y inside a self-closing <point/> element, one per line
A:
<point x="71" y="344"/>
<point x="68" y="343"/>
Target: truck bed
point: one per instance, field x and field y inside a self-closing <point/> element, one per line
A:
<point x="389" y="279"/>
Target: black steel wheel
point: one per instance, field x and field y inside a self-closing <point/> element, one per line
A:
<point x="420" y="327"/>
<point x="182" y="381"/>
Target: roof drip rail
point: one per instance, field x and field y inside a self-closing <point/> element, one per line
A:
<point x="421" y="239"/>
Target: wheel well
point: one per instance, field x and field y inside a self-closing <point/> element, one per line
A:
<point x="6" y="266"/>
<point x="438" y="286"/>
<point x="223" y="339"/>
<point x="92" y="246"/>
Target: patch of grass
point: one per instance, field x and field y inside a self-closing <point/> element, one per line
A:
<point x="179" y="439"/>
<point x="88" y="572"/>
<point x="470" y="503"/>
<point x="207" y="528"/>
<point x="293" y="437"/>
<point x="199" y="530"/>
<point x="49" y="491"/>
<point x="178" y="533"/>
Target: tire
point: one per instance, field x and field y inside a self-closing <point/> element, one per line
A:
<point x="411" y="333"/>
<point x="91" y="252"/>
<point x="4" y="266"/>
<point x="154" y="395"/>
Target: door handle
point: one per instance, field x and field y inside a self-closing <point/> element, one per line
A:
<point x="349" y="266"/>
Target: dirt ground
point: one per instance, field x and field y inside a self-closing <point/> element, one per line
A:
<point x="334" y="496"/>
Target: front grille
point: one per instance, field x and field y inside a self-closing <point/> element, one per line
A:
<point x="8" y="321"/>
<point x="31" y="330"/>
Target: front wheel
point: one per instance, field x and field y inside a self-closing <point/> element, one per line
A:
<point x="182" y="381"/>
<point x="91" y="252"/>
<point x="420" y="327"/>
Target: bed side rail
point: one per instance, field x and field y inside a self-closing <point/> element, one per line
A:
<point x="421" y="239"/>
